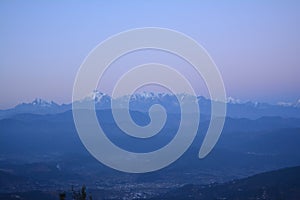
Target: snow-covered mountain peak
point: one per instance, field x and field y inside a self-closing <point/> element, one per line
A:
<point x="94" y="96"/>
<point x="233" y="100"/>
<point x="97" y="96"/>
<point x="143" y="95"/>
<point x="297" y="104"/>
<point x="285" y="104"/>
<point x="289" y="104"/>
<point x="41" y="102"/>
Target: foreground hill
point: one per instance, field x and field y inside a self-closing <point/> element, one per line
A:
<point x="281" y="184"/>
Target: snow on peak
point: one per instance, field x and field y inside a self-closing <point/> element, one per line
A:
<point x="285" y="104"/>
<point x="233" y="100"/>
<point x="289" y="104"/>
<point x="144" y="95"/>
<point x="97" y="96"/>
<point x="94" y="96"/>
<point x="297" y="104"/>
<point x="41" y="102"/>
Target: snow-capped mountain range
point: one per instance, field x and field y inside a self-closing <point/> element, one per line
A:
<point x="289" y="104"/>
<point x="143" y="101"/>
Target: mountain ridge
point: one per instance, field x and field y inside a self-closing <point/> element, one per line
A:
<point x="143" y="101"/>
<point x="277" y="184"/>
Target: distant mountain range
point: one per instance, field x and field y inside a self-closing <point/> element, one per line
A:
<point x="37" y="106"/>
<point x="143" y="101"/>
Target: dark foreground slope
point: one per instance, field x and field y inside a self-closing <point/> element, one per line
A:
<point x="281" y="184"/>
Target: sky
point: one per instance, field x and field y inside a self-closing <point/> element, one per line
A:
<point x="255" y="44"/>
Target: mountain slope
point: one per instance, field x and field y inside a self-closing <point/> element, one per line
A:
<point x="281" y="184"/>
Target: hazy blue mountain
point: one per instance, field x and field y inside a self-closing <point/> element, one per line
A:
<point x="37" y="106"/>
<point x="267" y="142"/>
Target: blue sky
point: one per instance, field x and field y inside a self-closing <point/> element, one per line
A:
<point x="255" y="44"/>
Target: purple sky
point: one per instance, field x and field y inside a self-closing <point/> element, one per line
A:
<point x="255" y="44"/>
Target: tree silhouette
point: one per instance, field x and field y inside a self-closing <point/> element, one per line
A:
<point x="62" y="196"/>
<point x="76" y="195"/>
